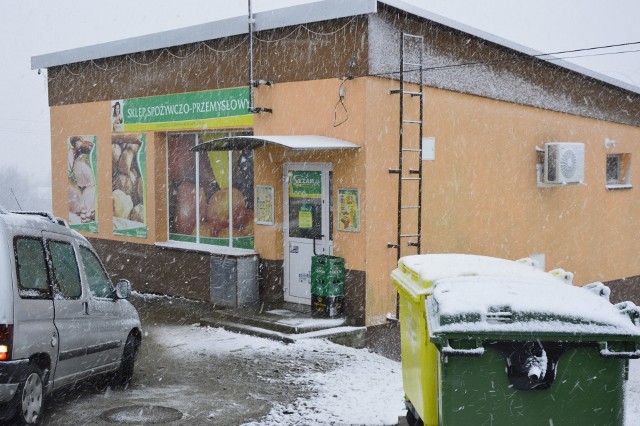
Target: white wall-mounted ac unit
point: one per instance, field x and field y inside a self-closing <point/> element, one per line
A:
<point x="563" y="163"/>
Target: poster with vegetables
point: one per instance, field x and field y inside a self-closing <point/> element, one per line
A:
<point x="128" y="171"/>
<point x="82" y="175"/>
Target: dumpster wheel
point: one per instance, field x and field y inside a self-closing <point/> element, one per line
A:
<point x="413" y="419"/>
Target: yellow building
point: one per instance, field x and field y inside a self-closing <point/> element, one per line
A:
<point x="172" y="166"/>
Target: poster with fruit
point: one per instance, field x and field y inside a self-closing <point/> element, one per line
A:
<point x="348" y="210"/>
<point x="128" y="172"/>
<point x="82" y="178"/>
<point x="210" y="193"/>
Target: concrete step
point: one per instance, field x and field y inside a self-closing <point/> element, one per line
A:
<point x="286" y="326"/>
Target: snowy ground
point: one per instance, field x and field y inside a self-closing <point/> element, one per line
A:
<point x="632" y="402"/>
<point x="215" y="377"/>
<point x="361" y="388"/>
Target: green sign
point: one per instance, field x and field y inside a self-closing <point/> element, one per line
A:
<point x="303" y="184"/>
<point x="210" y="109"/>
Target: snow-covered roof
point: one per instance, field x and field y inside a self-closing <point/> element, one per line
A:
<point x="417" y="11"/>
<point x="268" y="20"/>
<point x="283" y="17"/>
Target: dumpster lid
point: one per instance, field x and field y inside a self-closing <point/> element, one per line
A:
<point x="522" y="305"/>
<point x="431" y="267"/>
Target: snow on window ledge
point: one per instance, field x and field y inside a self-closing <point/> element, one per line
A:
<point x="619" y="186"/>
<point x="207" y="248"/>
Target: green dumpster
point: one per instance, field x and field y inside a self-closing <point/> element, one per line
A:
<point x="327" y="286"/>
<point x="517" y="346"/>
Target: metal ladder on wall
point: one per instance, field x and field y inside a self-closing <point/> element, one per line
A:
<point x="410" y="152"/>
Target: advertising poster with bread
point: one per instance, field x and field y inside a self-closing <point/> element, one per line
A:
<point x="82" y="168"/>
<point x="128" y="173"/>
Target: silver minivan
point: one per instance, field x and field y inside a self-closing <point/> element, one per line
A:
<point x="61" y="319"/>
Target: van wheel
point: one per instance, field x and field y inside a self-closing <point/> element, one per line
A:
<point x="124" y="374"/>
<point x="29" y="398"/>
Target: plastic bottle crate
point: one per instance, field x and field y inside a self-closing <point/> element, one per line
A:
<point x="327" y="267"/>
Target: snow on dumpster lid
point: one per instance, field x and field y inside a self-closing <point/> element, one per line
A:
<point x="522" y="305"/>
<point x="431" y="267"/>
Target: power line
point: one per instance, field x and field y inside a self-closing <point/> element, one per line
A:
<point x="590" y="48"/>
<point x="594" y="55"/>
<point x="539" y="56"/>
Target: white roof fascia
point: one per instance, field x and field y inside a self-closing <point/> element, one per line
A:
<point x="304" y="142"/>
<point x="295" y="142"/>
<point x="278" y="18"/>
<point x="414" y="10"/>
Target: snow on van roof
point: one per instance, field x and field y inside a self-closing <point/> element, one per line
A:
<point x="431" y="267"/>
<point x="39" y="220"/>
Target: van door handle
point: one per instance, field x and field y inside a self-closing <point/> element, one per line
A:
<point x="85" y="307"/>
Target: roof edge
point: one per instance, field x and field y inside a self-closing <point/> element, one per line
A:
<point x="267" y="20"/>
<point x="439" y="19"/>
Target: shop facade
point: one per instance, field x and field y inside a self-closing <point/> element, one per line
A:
<point x="157" y="159"/>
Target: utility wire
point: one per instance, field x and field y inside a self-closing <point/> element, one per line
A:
<point x="590" y="48"/>
<point x="539" y="56"/>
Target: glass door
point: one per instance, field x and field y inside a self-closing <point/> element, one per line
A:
<point x="307" y="225"/>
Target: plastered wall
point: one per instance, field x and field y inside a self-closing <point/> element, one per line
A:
<point x="85" y="119"/>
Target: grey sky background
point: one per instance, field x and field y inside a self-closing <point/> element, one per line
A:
<point x="34" y="27"/>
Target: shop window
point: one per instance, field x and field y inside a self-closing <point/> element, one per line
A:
<point x="210" y="194"/>
<point x="618" y="171"/>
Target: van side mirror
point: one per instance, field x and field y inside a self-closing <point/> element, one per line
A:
<point x="123" y="289"/>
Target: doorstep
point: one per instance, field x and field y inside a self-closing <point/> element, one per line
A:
<point x="286" y="324"/>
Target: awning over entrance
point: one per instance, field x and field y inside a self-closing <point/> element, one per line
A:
<point x="302" y="142"/>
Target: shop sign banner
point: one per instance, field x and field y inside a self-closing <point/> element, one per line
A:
<point x="348" y="210"/>
<point x="82" y="173"/>
<point x="264" y="205"/>
<point x="197" y="110"/>
<point x="129" y="175"/>
<point x="305" y="184"/>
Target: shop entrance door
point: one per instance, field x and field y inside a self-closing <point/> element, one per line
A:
<point x="307" y="223"/>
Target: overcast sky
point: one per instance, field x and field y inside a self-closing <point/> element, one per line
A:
<point x="34" y="27"/>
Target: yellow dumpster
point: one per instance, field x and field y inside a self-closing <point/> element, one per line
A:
<point x="419" y="355"/>
<point x="414" y="279"/>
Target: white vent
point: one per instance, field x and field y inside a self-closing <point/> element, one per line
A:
<point x="563" y="163"/>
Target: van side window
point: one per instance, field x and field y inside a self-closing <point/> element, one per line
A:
<point x="65" y="270"/>
<point x="31" y="269"/>
<point x="99" y="282"/>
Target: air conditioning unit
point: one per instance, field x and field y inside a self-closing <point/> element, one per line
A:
<point x="563" y="163"/>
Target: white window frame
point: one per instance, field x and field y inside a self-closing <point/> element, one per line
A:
<point x="623" y="171"/>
